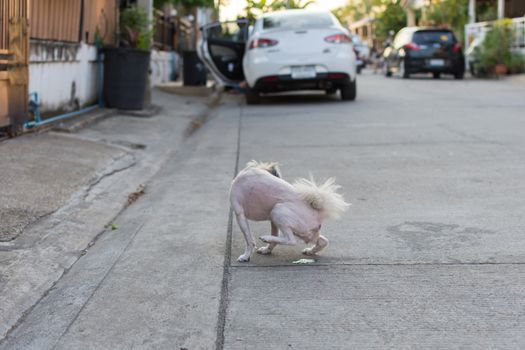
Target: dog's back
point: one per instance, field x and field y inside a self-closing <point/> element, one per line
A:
<point x="256" y="192"/>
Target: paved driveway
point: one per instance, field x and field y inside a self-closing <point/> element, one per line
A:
<point x="430" y="255"/>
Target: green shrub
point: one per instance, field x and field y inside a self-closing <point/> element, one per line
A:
<point x="135" y="29"/>
<point x="496" y="48"/>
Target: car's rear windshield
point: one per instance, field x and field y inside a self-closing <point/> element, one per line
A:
<point x="298" y="21"/>
<point x="430" y="37"/>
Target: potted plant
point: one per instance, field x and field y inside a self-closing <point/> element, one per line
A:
<point x="126" y="66"/>
<point x="495" y="55"/>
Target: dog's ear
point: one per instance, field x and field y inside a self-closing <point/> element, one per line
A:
<point x="274" y="170"/>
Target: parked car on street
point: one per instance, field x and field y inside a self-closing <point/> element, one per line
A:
<point x="424" y="50"/>
<point x="288" y="50"/>
<point x="362" y="52"/>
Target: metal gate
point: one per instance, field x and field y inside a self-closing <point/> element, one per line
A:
<point x="14" y="59"/>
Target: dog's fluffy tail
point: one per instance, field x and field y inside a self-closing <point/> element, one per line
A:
<point x="323" y="198"/>
<point x="271" y="167"/>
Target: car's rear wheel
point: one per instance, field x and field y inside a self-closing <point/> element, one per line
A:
<point x="436" y="75"/>
<point x="402" y="70"/>
<point x="252" y="97"/>
<point x="459" y="76"/>
<point x="331" y="91"/>
<point x="349" y="92"/>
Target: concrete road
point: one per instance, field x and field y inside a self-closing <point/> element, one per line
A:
<point x="430" y="255"/>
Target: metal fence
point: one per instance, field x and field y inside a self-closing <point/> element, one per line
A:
<point x="74" y="20"/>
<point x="10" y="9"/>
<point x="478" y="31"/>
<point x="165" y="30"/>
<point x="56" y="19"/>
<point x="14" y="48"/>
<point x="100" y="17"/>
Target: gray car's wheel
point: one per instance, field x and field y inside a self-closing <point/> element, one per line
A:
<point x="349" y="92"/>
<point x="331" y="91"/>
<point x="402" y="70"/>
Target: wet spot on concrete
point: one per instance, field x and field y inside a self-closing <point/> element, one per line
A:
<point x="424" y="236"/>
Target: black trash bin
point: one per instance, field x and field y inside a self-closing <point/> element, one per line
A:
<point x="125" y="76"/>
<point x="194" y="71"/>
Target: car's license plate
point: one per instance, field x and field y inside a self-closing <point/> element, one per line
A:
<point x="437" y="62"/>
<point x="303" y="72"/>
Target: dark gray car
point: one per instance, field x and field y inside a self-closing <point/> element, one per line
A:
<point x="424" y="50"/>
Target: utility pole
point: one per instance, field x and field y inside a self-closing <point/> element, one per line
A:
<point x="147" y="5"/>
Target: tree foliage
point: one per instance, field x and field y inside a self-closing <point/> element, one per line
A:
<point x="184" y="3"/>
<point x="392" y="18"/>
<point x="496" y="48"/>
<point x="450" y="13"/>
<point x="255" y="8"/>
<point x="135" y="28"/>
<point x="387" y="15"/>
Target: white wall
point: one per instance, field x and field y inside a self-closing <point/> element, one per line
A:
<point x="65" y="75"/>
<point x="162" y="66"/>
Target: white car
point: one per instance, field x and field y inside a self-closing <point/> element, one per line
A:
<point x="288" y="50"/>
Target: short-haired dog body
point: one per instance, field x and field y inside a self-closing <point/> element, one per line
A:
<point x="296" y="210"/>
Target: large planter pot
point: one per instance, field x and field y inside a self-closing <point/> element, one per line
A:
<point x="194" y="71"/>
<point x="125" y="76"/>
<point x="501" y="69"/>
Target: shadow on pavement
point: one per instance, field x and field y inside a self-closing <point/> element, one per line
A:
<point x="307" y="97"/>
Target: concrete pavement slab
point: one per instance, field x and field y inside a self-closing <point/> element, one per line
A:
<point x="377" y="307"/>
<point x="156" y="281"/>
<point x="33" y="262"/>
<point x="39" y="174"/>
<point x="429" y="255"/>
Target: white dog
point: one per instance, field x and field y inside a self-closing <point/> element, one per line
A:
<point x="258" y="193"/>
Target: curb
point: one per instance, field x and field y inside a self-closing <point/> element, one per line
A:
<point x="84" y="120"/>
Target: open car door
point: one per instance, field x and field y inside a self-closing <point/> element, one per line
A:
<point x="222" y="50"/>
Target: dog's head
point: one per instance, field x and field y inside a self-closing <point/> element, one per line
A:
<point x="271" y="167"/>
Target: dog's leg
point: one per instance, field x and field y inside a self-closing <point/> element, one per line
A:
<point x="248" y="237"/>
<point x="268" y="249"/>
<point x="321" y="243"/>
<point x="287" y="238"/>
<point x="279" y="217"/>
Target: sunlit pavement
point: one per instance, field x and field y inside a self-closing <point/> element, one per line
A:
<point x="430" y="254"/>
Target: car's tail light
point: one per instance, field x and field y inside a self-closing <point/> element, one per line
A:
<point x="456" y="47"/>
<point x="412" y="46"/>
<point x="338" y="39"/>
<point x="337" y="75"/>
<point x="262" y="43"/>
<point x="270" y="78"/>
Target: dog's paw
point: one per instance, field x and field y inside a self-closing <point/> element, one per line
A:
<point x="266" y="239"/>
<point x="308" y="251"/>
<point x="264" y="251"/>
<point x="243" y="258"/>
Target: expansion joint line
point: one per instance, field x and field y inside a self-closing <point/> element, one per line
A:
<point x="223" y="303"/>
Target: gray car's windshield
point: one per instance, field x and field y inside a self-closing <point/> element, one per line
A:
<point x="298" y="21"/>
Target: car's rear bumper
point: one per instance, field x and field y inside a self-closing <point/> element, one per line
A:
<point x="257" y="65"/>
<point x="323" y="81"/>
<point x="424" y="65"/>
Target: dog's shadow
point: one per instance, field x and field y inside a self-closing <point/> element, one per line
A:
<point x="282" y="255"/>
